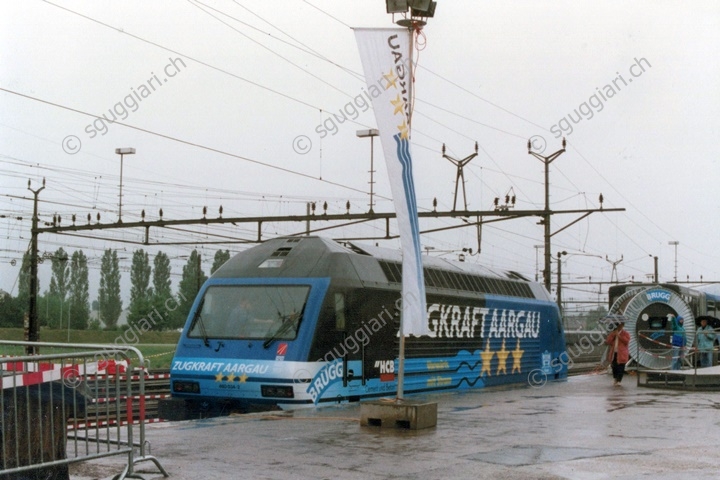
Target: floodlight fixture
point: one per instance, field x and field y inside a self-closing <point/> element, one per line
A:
<point x="419" y="10"/>
<point x="423" y="8"/>
<point x="396" y="6"/>
<point x="373" y="132"/>
<point x="419" y="4"/>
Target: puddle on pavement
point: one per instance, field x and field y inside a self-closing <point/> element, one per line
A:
<point x="518" y="456"/>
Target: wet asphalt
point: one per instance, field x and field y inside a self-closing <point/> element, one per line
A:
<point x="584" y="428"/>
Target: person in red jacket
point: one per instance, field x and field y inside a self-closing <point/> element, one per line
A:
<point x="618" y="353"/>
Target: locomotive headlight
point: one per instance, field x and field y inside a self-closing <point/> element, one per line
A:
<point x="186" y="387"/>
<point x="276" y="391"/>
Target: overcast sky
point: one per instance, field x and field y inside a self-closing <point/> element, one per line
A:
<point x="255" y="106"/>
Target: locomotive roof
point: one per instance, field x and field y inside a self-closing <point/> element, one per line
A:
<point x="319" y="256"/>
<point x="436" y="262"/>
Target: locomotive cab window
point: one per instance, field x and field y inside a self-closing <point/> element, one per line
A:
<point x="257" y="312"/>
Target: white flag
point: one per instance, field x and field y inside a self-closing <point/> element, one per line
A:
<point x="385" y="56"/>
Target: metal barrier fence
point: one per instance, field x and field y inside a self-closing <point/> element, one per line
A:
<point x="658" y="353"/>
<point x="657" y="359"/>
<point x="72" y="405"/>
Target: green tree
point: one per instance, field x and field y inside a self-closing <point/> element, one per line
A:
<point x="11" y="312"/>
<point x="140" y="290"/>
<point x="59" y="284"/>
<point x="60" y="274"/>
<point x="109" y="292"/>
<point x="162" y="293"/>
<point x="24" y="282"/>
<point x="140" y="272"/>
<point x="50" y="310"/>
<point x="79" y="291"/>
<point x="220" y="258"/>
<point x="161" y="276"/>
<point x="192" y="279"/>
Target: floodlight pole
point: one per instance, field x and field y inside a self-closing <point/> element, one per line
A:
<point x="412" y="24"/>
<point x="122" y="152"/>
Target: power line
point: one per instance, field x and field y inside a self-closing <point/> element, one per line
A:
<point x="186" y="142"/>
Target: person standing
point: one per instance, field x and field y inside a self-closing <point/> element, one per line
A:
<point x="705" y="343"/>
<point x="678" y="342"/>
<point x="618" y="353"/>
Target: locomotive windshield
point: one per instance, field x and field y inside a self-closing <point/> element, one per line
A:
<point x="250" y="312"/>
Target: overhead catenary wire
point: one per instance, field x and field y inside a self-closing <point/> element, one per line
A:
<point x="335" y="18"/>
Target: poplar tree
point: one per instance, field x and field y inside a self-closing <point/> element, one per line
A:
<point x="192" y="279"/>
<point x="60" y="274"/>
<point x="220" y="258"/>
<point x="162" y="297"/>
<point x="24" y="281"/>
<point x="109" y="293"/>
<point x="140" y="290"/>
<point x="59" y="285"/>
<point x="79" y="290"/>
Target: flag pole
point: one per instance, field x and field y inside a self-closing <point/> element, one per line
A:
<point x="384" y="54"/>
<point x="401" y="350"/>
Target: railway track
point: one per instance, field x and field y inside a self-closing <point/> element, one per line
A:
<point x="157" y="384"/>
<point x="157" y="387"/>
<point x="103" y="392"/>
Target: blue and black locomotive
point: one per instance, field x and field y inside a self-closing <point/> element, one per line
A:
<point x="307" y="321"/>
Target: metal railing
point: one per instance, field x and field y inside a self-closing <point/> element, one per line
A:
<point x="662" y="356"/>
<point x="73" y="404"/>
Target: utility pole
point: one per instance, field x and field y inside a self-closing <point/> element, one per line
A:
<point x="675" y="243"/>
<point x="460" y="176"/>
<point x="372" y="133"/>
<point x="33" y="327"/>
<point x="546" y="213"/>
<point x="559" y="280"/>
<point x="655" y="258"/>
<point x="615" y="263"/>
<point x="199" y="272"/>
<point x="536" y="261"/>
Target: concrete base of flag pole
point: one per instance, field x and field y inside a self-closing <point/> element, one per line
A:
<point x="396" y="413"/>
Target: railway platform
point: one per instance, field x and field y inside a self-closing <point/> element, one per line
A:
<point x="584" y="428"/>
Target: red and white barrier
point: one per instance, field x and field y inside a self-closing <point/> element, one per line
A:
<point x="33" y="373"/>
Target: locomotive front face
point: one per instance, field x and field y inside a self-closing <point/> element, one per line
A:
<point x="246" y="339"/>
